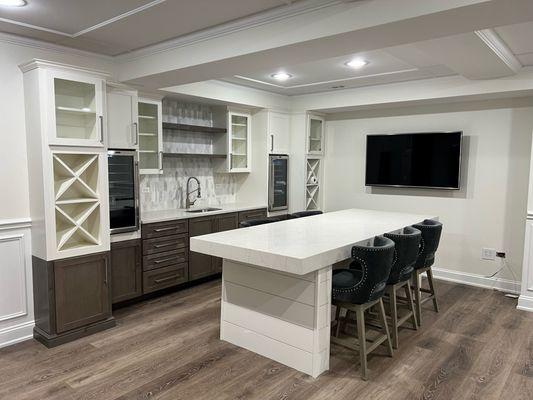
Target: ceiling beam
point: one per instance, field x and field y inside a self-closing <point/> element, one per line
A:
<point x="327" y="32"/>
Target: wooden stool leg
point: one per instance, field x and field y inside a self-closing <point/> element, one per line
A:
<point x="361" y="334"/>
<point x="429" y="273"/>
<point x="418" y="303"/>
<point x="337" y="318"/>
<point x="409" y="295"/>
<point x="383" y="318"/>
<point x="394" y="315"/>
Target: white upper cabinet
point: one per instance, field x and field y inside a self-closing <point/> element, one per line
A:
<point x="239" y="142"/>
<point x="122" y="123"/>
<point x="75" y="109"/>
<point x="278" y="133"/>
<point x="315" y="135"/>
<point x="150" y="136"/>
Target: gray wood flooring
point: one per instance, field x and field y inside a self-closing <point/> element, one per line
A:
<point x="478" y="347"/>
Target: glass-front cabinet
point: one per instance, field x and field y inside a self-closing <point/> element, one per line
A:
<point x="77" y="109"/>
<point x="315" y="135"/>
<point x="150" y="137"/>
<point x="239" y="142"/>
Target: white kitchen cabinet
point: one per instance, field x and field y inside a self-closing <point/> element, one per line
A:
<point x="76" y="106"/>
<point x="67" y="160"/>
<point x="315" y="135"/>
<point x="278" y="133"/>
<point x="150" y="136"/>
<point x="239" y="142"/>
<point x="122" y="122"/>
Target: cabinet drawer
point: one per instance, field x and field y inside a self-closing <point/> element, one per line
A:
<point x="166" y="228"/>
<point x="164" y="244"/>
<point x="164" y="277"/>
<point x="252" y="214"/>
<point x="159" y="260"/>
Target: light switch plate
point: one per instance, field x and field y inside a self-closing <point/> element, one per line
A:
<point x="488" y="254"/>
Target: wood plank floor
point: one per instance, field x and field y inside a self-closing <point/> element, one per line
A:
<point x="478" y="347"/>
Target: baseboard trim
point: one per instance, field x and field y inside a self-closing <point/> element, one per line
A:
<point x="504" y="285"/>
<point x="16" y="333"/>
<point x="525" y="303"/>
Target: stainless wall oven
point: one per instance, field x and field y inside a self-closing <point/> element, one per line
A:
<point x="123" y="170"/>
<point x="278" y="188"/>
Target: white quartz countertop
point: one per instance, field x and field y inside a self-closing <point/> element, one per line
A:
<point x="303" y="245"/>
<point x="148" y="217"/>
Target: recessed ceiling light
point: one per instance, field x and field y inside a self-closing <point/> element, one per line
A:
<point x="281" y="76"/>
<point x="13" y="3"/>
<point x="356" y="63"/>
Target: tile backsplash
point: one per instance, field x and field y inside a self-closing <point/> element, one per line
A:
<point x="168" y="190"/>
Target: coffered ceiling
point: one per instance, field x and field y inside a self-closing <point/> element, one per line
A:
<point x="119" y="26"/>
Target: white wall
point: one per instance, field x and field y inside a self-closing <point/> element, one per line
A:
<point x="16" y="294"/>
<point x="489" y="210"/>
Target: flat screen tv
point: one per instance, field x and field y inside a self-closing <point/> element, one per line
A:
<point x="421" y="160"/>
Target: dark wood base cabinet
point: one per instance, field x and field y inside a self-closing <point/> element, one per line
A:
<point x="126" y="270"/>
<point x="72" y="298"/>
<point x="203" y="265"/>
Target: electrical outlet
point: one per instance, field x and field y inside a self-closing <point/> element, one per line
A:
<point x="146" y="189"/>
<point x="488" y="254"/>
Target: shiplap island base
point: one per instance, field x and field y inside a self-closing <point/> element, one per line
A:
<point x="276" y="281"/>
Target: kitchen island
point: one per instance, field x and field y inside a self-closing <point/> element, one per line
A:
<point x="276" y="281"/>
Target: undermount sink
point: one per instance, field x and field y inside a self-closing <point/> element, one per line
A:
<point x="204" y="210"/>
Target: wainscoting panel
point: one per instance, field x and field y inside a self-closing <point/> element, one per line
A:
<point x="16" y="293"/>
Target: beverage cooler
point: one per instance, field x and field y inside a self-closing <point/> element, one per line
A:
<point x="278" y="188"/>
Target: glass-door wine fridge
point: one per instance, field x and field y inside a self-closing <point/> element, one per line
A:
<point x="123" y="190"/>
<point x="278" y="188"/>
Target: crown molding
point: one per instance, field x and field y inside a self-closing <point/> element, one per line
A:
<point x="38" y="63"/>
<point x="46" y="46"/>
<point x="500" y="48"/>
<point x="262" y="18"/>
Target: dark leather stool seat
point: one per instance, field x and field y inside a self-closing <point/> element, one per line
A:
<point x="261" y="221"/>
<point x="431" y="233"/>
<point x="301" y="214"/>
<point x="407" y="243"/>
<point x="361" y="288"/>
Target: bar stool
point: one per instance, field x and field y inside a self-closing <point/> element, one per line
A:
<point x="261" y="221"/>
<point x="301" y="214"/>
<point x="360" y="288"/>
<point x="406" y="245"/>
<point x="431" y="232"/>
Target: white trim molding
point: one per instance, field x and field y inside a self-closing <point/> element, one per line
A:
<point x="500" y="48"/>
<point x="16" y="333"/>
<point x="16" y="288"/>
<point x="525" y="303"/>
<point x="503" y="285"/>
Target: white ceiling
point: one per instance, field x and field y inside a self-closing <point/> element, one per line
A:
<point x="114" y="27"/>
<point x="385" y="66"/>
<point x="487" y="54"/>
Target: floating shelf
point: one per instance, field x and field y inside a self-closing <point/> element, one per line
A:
<point x="192" y="128"/>
<point x="207" y="155"/>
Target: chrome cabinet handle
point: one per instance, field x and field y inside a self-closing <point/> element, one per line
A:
<point x="167" y="259"/>
<point x="168" y="278"/>
<point x="271" y="142"/>
<point x="101" y="129"/>
<point x="135" y="134"/>
<point x="158" y="246"/>
<point x="164" y="229"/>
<point x="161" y="161"/>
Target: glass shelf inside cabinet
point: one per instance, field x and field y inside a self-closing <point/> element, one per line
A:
<point x="148" y="136"/>
<point x="75" y="104"/>
<point x="315" y="135"/>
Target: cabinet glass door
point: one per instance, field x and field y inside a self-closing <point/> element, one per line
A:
<point x="278" y="189"/>
<point x="239" y="142"/>
<point x="149" y="139"/>
<point x="78" y="112"/>
<point x="315" y="135"/>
